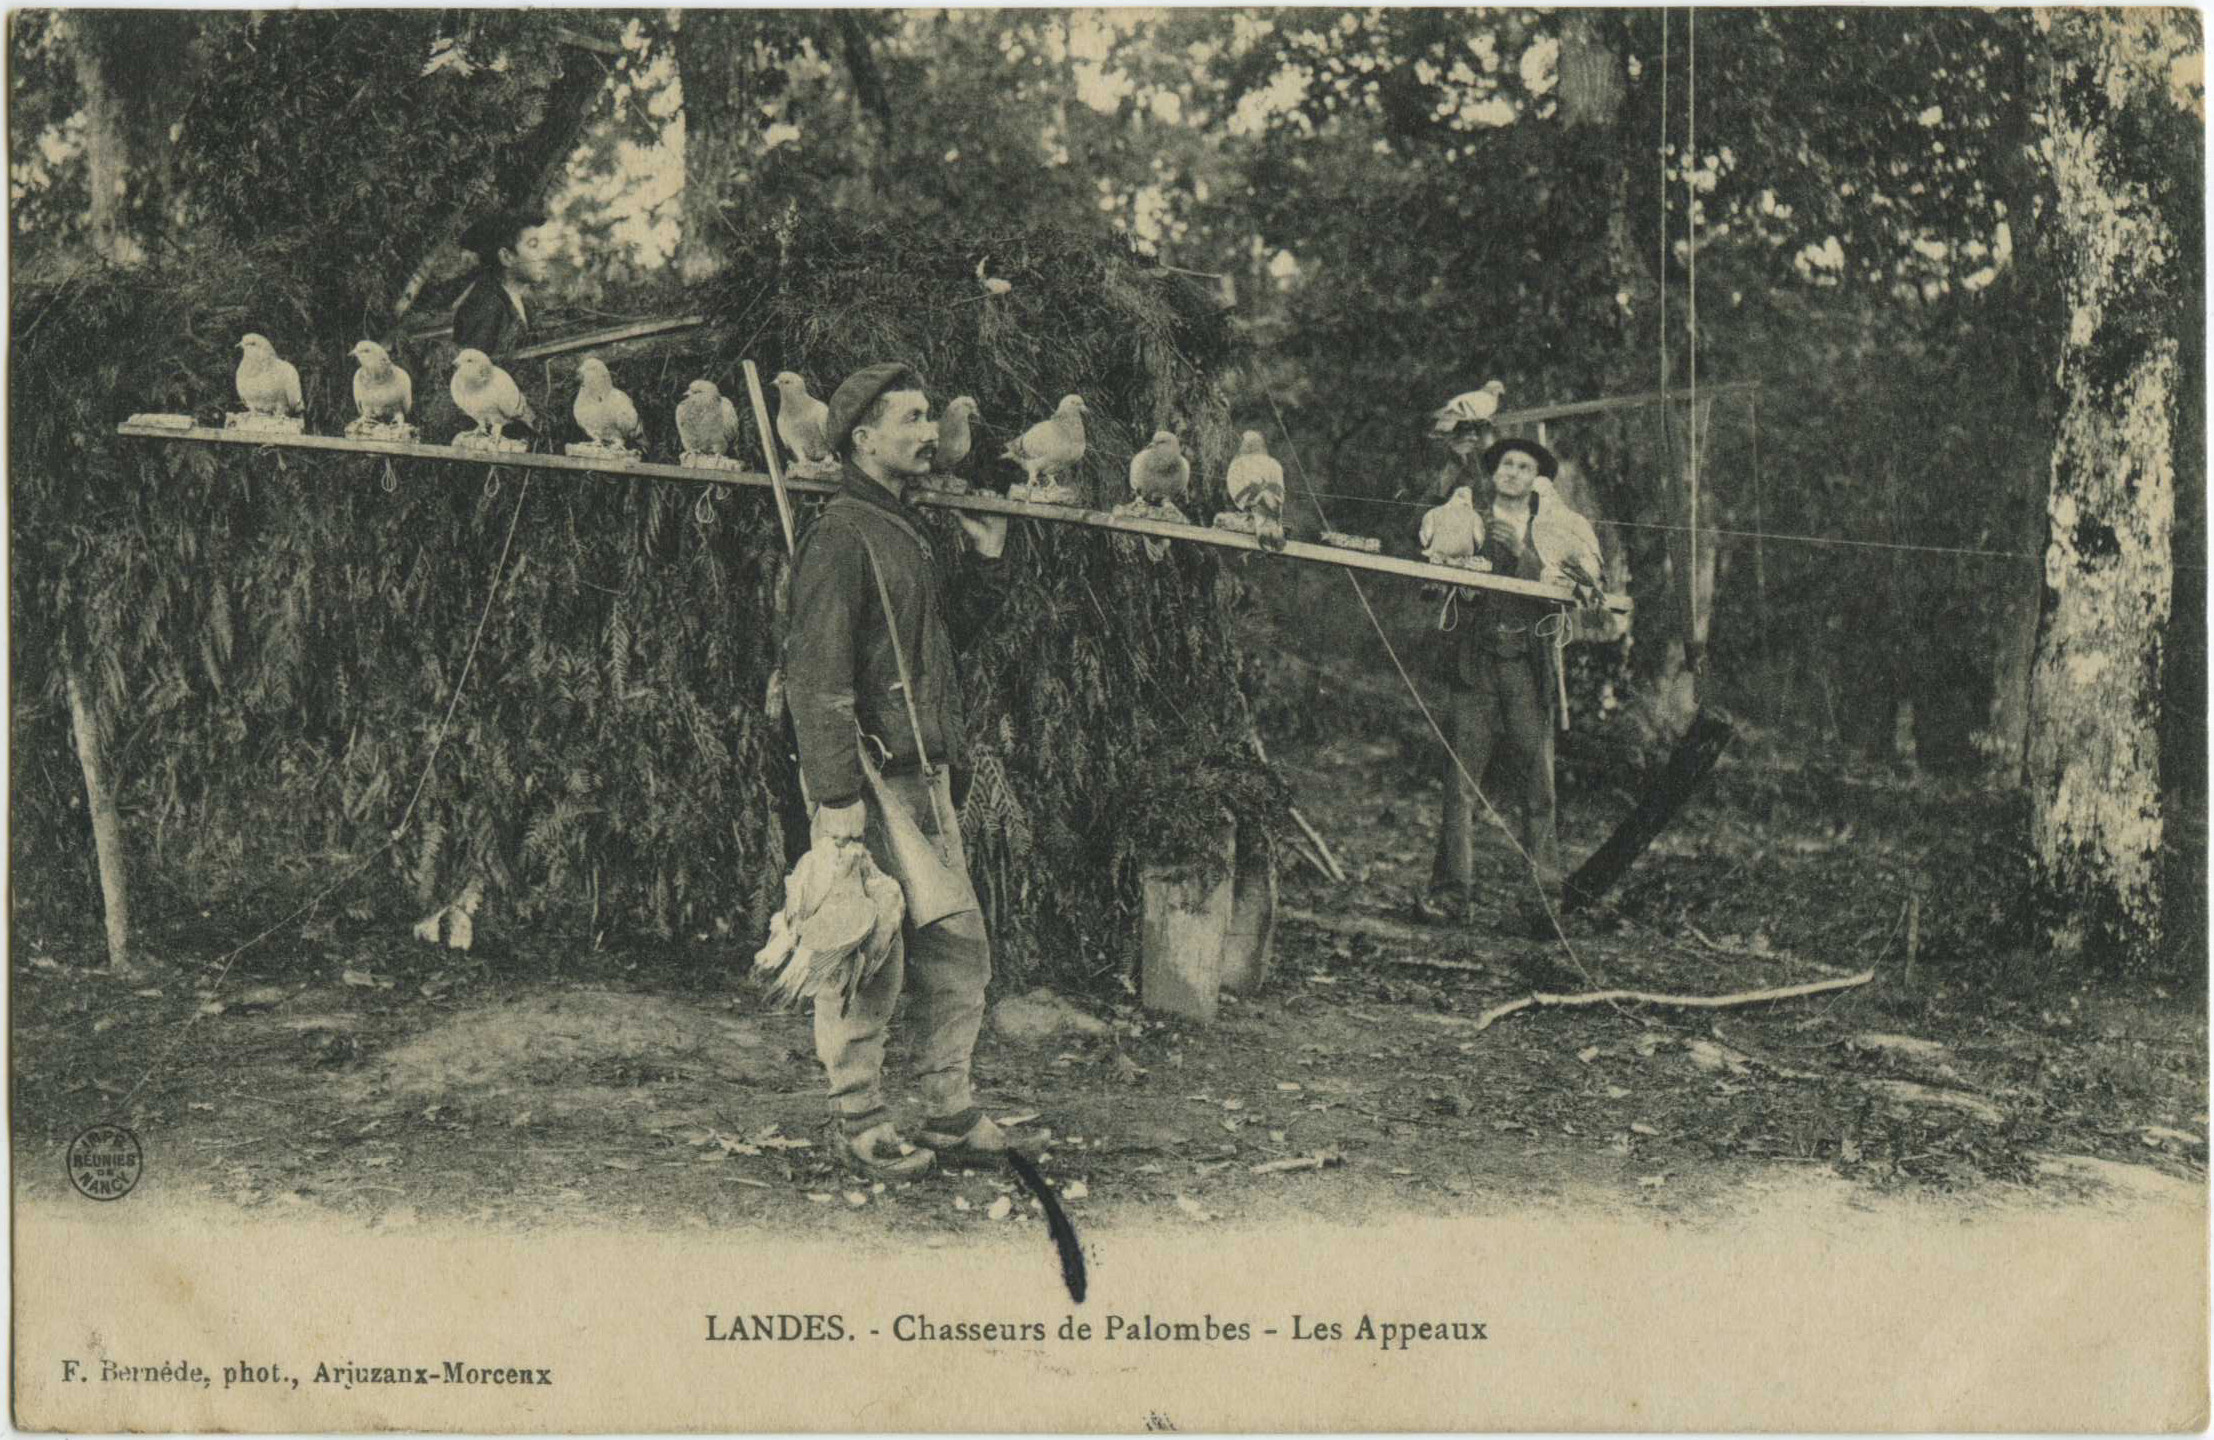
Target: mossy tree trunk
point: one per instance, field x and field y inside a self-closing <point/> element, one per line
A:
<point x="2094" y="747"/>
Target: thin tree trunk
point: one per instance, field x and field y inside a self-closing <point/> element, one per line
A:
<point x="107" y="154"/>
<point x="2094" y="739"/>
<point x="713" y="50"/>
<point x="107" y="827"/>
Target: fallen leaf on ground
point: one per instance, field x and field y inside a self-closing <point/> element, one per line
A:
<point x="1588" y="1054"/>
<point x="1652" y="1182"/>
<point x="1193" y="1208"/>
<point x="1075" y="1190"/>
<point x="960" y="1202"/>
<point x="818" y="1197"/>
<point x="1009" y="1122"/>
<point x="1001" y="1209"/>
<point x="1616" y="1092"/>
<point x="1289" y="1087"/>
<point x="147" y="994"/>
<point x="360" y="978"/>
<point x="856" y="1199"/>
<point x="615" y="1162"/>
<point x="1639" y="1127"/>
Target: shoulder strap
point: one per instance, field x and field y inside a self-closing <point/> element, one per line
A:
<point x="899" y="654"/>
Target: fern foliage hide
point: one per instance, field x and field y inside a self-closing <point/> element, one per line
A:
<point x="274" y="637"/>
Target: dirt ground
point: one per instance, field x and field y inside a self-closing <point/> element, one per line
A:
<point x="345" y="1067"/>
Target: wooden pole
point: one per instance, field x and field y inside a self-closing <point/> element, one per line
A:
<point x="769" y="455"/>
<point x="107" y="826"/>
<point x="979" y="504"/>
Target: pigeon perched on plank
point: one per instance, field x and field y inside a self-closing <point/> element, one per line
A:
<point x="1452" y="533"/>
<point x="603" y="412"/>
<point x="1255" y="480"/>
<point x="488" y="395"/>
<point x="954" y="440"/>
<point x="1476" y="407"/>
<point x="707" y="422"/>
<point x="1159" y="473"/>
<point x="1159" y="477"/>
<point x="800" y="418"/>
<point x="1052" y="445"/>
<point x="382" y="390"/>
<point x="266" y="384"/>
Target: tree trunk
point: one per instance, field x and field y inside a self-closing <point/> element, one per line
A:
<point x="1691" y="571"/>
<point x="107" y="827"/>
<point x="713" y="48"/>
<point x="107" y="155"/>
<point x="2094" y="748"/>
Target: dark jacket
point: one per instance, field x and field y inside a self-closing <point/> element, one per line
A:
<point x="486" y="319"/>
<point x="1491" y="626"/>
<point x="838" y="664"/>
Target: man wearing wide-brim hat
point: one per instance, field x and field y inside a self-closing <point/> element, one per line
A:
<point x="876" y="706"/>
<point x="1497" y="662"/>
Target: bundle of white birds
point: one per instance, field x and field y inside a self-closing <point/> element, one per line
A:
<point x="840" y="920"/>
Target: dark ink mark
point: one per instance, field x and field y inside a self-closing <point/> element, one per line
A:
<point x="1064" y="1234"/>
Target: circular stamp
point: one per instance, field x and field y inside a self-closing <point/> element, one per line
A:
<point x="105" y="1162"/>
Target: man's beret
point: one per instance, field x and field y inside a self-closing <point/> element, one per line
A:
<point x="858" y="392"/>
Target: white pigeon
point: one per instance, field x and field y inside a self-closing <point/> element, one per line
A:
<point x="1160" y="473"/>
<point x="800" y="418"/>
<point x="266" y="384"/>
<point x="603" y="412"/>
<point x="1255" y="481"/>
<point x="1159" y="477"/>
<point x="488" y="395"/>
<point x="1473" y="408"/>
<point x="1054" y="444"/>
<point x="1452" y="531"/>
<point x="382" y="390"/>
<point x="1567" y="547"/>
<point x="707" y="422"/>
<point x="954" y="439"/>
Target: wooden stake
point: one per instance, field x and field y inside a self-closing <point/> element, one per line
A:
<point x="1332" y="869"/>
<point x="107" y="826"/>
<point x="1694" y="1002"/>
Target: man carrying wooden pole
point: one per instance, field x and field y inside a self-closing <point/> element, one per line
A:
<point x="876" y="706"/>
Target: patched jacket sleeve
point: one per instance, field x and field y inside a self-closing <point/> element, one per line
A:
<point x="819" y="660"/>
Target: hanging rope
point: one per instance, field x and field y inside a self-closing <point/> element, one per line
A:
<point x="1693" y="640"/>
<point x="1662" y="190"/>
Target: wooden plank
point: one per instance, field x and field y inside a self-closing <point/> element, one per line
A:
<point x="1616" y="402"/>
<point x="594" y="339"/>
<point x="982" y="504"/>
<point x="584" y="340"/>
